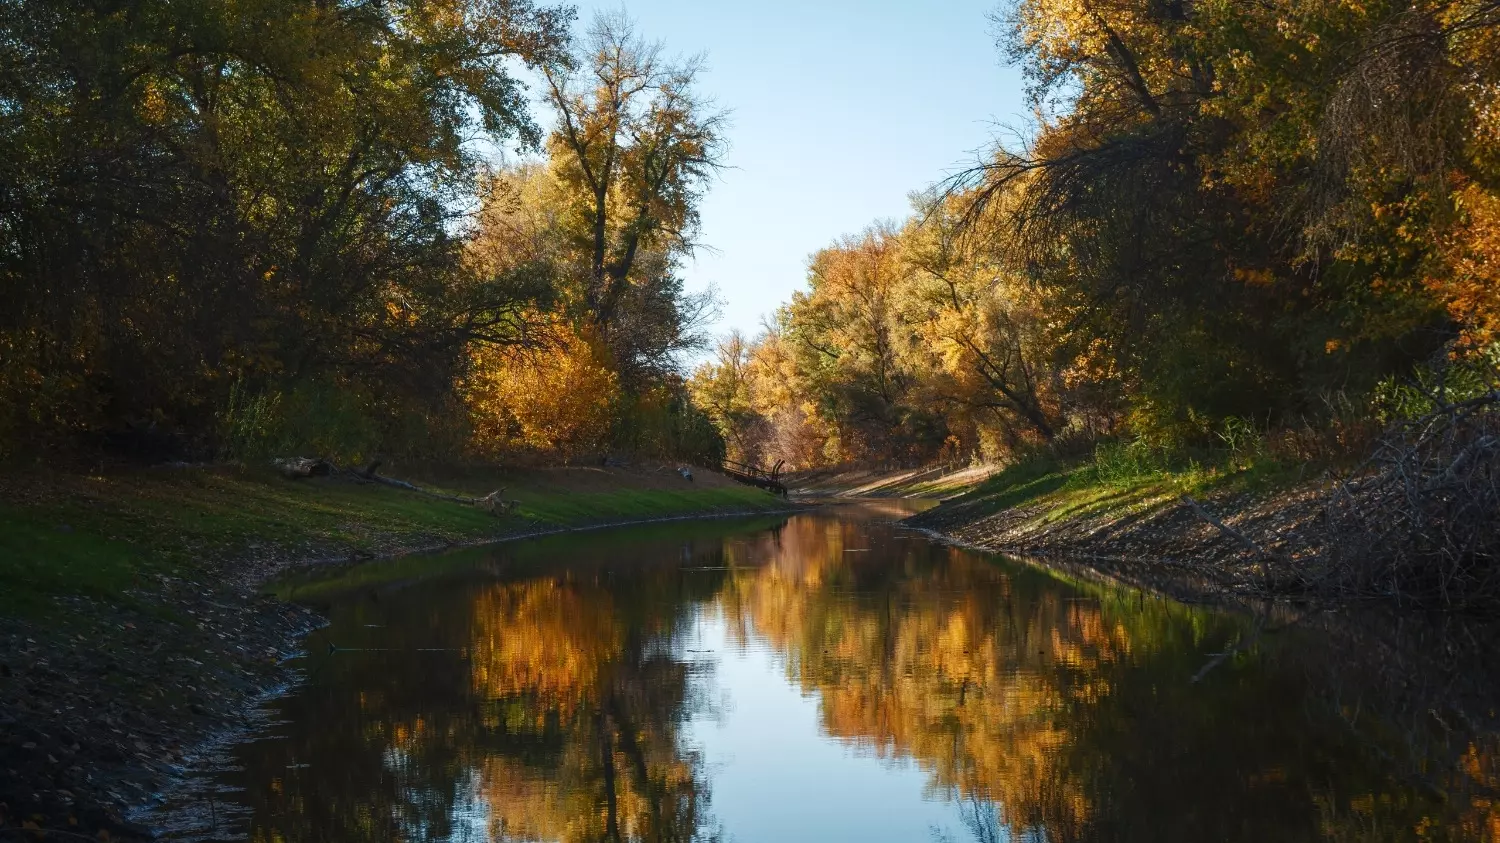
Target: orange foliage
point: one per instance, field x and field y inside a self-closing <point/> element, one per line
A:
<point x="559" y="400"/>
<point x="1469" y="285"/>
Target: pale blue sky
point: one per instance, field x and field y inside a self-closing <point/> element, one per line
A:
<point x="840" y="110"/>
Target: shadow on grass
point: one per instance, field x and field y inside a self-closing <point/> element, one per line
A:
<point x="1072" y="489"/>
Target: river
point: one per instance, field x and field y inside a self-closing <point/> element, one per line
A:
<point x="821" y="677"/>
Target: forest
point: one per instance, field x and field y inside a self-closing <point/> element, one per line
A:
<point x="236" y="229"/>
<point x="1234" y="237"/>
<point x="230" y="230"/>
<point x="1269" y="226"/>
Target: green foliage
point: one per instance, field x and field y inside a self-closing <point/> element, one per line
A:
<point x="1429" y="387"/>
<point x="1117" y="463"/>
<point x="1244" y="441"/>
<point x="248" y="425"/>
<point x="314" y="418"/>
<point x="666" y="424"/>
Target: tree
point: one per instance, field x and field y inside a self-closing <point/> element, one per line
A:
<point x="982" y="325"/>
<point x="204" y="197"/>
<point x="722" y="388"/>
<point x="635" y="146"/>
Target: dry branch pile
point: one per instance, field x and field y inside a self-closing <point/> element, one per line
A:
<point x="1420" y="522"/>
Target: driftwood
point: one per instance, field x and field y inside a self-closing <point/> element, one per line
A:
<point x="495" y="504"/>
<point x="1226" y="529"/>
<point x="297" y="468"/>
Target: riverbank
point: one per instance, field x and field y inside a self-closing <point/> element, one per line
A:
<point x="132" y="627"/>
<point x="933" y="482"/>
<point x="1212" y="534"/>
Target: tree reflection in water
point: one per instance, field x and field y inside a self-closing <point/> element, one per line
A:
<point x="542" y="692"/>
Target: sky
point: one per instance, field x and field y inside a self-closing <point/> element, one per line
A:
<point x="839" y="110"/>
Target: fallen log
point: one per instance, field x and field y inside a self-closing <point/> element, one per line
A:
<point x="1226" y="529"/>
<point x="495" y="503"/>
<point x="297" y="468"/>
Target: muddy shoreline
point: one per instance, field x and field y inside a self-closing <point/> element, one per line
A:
<point x="97" y="722"/>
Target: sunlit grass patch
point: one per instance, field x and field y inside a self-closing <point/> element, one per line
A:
<point x="1120" y="480"/>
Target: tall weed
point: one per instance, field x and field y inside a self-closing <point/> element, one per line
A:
<point x="1120" y="463"/>
<point x="316" y="418"/>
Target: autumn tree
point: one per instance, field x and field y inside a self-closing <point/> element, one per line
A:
<point x="983" y="326"/>
<point x="215" y="197"/>
<point x="1244" y="205"/>
<point x="724" y="389"/>
<point x="634" y="149"/>
<point x="575" y="389"/>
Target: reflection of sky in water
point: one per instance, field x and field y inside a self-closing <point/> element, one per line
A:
<point x="766" y="752"/>
<point x="471" y="816"/>
<point x="822" y="680"/>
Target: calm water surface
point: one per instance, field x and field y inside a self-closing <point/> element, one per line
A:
<point x="825" y="677"/>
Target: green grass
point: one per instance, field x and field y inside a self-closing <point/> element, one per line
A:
<point x="1054" y="490"/>
<point x="40" y="559"/>
<point x="105" y="536"/>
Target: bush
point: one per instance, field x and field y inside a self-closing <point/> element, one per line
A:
<point x="665" y="424"/>
<point x="316" y="418"/>
<point x="1118" y="463"/>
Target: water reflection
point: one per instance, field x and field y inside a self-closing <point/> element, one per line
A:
<point x="594" y="689"/>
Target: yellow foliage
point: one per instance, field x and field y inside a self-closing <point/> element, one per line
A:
<point x="558" y="400"/>
<point x="1469" y="285"/>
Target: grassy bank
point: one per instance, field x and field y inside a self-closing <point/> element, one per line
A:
<point x="1114" y="482"/>
<point x="1119" y="513"/>
<point x="108" y="536"/>
<point x="873" y="482"/>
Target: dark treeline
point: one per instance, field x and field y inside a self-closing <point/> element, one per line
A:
<point x="1274" y="221"/>
<point x="228" y="229"/>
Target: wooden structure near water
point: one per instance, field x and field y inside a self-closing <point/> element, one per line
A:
<point x="752" y="475"/>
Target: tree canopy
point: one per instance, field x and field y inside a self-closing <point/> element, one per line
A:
<point x="231" y="226"/>
<point x="1224" y="211"/>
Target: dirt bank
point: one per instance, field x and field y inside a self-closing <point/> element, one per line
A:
<point x="874" y="482"/>
<point x="133" y="633"/>
<point x="1159" y="543"/>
